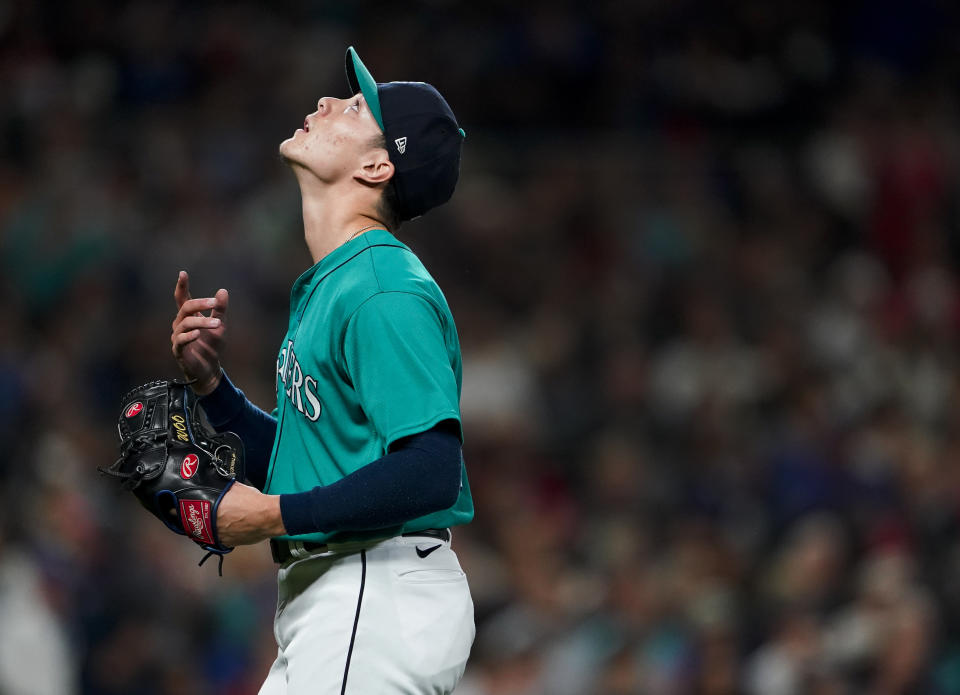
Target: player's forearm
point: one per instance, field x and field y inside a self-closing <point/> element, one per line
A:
<point x="248" y="516"/>
<point x="228" y="409"/>
<point x="421" y="478"/>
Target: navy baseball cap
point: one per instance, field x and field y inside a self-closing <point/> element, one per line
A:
<point x="423" y="138"/>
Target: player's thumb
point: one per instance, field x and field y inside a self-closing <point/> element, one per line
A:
<point x="219" y="310"/>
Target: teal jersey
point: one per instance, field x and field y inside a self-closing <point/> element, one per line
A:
<point x="371" y="355"/>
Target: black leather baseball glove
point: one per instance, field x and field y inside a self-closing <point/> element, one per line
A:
<point x="175" y="466"/>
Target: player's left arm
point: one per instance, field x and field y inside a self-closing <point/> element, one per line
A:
<point x="419" y="476"/>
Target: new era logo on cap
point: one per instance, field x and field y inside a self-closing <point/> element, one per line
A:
<point x="401" y="145"/>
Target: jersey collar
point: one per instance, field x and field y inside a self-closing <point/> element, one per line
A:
<point x="340" y="255"/>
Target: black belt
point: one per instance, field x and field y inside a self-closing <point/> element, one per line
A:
<point x="280" y="550"/>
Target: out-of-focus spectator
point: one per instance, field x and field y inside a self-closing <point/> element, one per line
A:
<point x="36" y="655"/>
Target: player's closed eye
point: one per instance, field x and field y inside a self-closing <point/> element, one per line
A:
<point x="355" y="106"/>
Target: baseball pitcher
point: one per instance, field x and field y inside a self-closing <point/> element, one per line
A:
<point x="357" y="476"/>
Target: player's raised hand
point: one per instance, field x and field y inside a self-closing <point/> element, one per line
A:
<point x="198" y="337"/>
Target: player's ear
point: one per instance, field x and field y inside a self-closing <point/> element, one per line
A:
<point x="375" y="167"/>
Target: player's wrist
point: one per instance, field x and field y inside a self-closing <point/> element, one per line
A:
<point x="208" y="386"/>
<point x="273" y="517"/>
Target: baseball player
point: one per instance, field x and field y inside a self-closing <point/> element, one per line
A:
<point x="357" y="475"/>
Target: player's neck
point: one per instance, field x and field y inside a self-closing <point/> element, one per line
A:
<point x="331" y="220"/>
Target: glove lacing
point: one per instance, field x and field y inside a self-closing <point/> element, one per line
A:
<point x="219" y="554"/>
<point x="132" y="479"/>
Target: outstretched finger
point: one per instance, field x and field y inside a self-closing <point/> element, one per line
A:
<point x="191" y="322"/>
<point x="222" y="298"/>
<point x="193" y="307"/>
<point x="181" y="292"/>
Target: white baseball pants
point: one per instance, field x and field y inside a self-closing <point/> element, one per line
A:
<point x="370" y="619"/>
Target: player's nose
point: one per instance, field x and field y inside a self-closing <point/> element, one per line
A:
<point x="324" y="105"/>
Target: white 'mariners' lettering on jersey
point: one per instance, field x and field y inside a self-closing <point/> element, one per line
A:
<point x="297" y="386"/>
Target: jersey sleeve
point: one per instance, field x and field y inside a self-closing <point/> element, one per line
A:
<point x="396" y="356"/>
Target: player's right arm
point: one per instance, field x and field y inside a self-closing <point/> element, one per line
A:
<point x="197" y="340"/>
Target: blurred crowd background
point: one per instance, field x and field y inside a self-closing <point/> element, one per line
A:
<point x="703" y="260"/>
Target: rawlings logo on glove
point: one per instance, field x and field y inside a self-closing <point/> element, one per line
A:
<point x="189" y="466"/>
<point x="176" y="467"/>
<point x="197" y="514"/>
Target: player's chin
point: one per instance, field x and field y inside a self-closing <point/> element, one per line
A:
<point x="288" y="150"/>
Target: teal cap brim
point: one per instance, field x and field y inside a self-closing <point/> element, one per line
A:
<point x="362" y="81"/>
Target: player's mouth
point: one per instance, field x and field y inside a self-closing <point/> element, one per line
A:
<point x="306" y="125"/>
